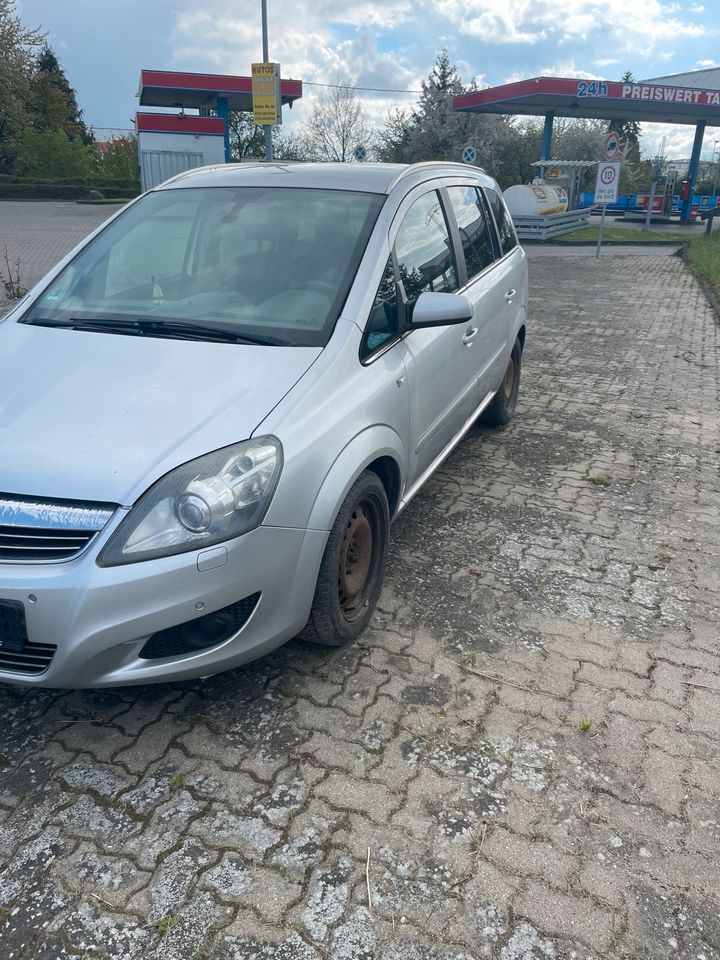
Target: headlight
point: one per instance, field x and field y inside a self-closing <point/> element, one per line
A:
<point x="205" y="501"/>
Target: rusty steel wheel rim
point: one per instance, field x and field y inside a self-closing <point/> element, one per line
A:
<point x="356" y="560"/>
<point x="510" y="379"/>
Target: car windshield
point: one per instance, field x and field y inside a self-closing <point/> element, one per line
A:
<point x="269" y="262"/>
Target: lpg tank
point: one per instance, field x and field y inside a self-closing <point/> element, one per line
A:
<point x="535" y="200"/>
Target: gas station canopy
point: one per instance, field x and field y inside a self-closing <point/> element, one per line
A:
<point x="165" y="88"/>
<point x="674" y="99"/>
<point x="691" y="98"/>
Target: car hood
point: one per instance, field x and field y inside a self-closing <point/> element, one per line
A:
<point x="100" y="416"/>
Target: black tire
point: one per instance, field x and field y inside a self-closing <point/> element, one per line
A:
<point x="353" y="565"/>
<point x="502" y="407"/>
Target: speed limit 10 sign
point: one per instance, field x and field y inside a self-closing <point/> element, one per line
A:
<point x="606" y="185"/>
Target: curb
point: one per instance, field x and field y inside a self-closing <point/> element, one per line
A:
<point x="605" y="243"/>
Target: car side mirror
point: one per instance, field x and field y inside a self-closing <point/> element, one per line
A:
<point x="440" y="310"/>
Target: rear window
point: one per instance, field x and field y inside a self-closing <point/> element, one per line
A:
<point x="506" y="230"/>
<point x="274" y="262"/>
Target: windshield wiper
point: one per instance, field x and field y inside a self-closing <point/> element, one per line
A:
<point x="174" y="329"/>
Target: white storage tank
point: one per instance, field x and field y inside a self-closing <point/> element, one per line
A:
<point x="535" y="200"/>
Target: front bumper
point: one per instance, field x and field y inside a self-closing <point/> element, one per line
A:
<point x="100" y="618"/>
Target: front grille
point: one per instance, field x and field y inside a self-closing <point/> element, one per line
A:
<point x="41" y="543"/>
<point x="200" y="634"/>
<point x="33" y="658"/>
<point x="43" y="531"/>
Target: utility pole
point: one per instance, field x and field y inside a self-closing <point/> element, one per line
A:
<point x="266" y="58"/>
<point x="717" y="165"/>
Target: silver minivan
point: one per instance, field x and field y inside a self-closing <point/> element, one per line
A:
<point x="212" y="409"/>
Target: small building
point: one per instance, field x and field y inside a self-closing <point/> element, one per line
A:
<point x="169" y="143"/>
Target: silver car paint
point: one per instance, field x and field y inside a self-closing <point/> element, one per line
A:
<point x="333" y="415"/>
<point x="88" y="400"/>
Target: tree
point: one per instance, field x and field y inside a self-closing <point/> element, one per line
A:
<point x="519" y="149"/>
<point x="393" y="141"/>
<point x="433" y="130"/>
<point x="54" y="103"/>
<point x="18" y="45"/>
<point x="628" y="130"/>
<point x="51" y="154"/>
<point x="338" y="123"/>
<point x="118" y="159"/>
<point x="247" y="140"/>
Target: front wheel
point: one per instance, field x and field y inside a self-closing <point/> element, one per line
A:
<point x="502" y="407"/>
<point x="353" y="566"/>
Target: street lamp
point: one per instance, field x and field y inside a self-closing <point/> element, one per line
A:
<point x="266" y="57"/>
<point x="717" y="165"/>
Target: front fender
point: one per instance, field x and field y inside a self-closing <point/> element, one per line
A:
<point x="365" y="447"/>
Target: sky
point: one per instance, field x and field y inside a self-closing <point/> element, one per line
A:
<point x="392" y="44"/>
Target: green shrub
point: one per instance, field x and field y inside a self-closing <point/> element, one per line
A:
<point x="96" y="182"/>
<point x="51" y="153"/>
<point x="27" y="190"/>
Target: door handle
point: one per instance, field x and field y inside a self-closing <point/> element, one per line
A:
<point x="470" y="335"/>
<point x="509" y="295"/>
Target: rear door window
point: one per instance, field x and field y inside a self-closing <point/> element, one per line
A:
<point x="506" y="230"/>
<point x="475" y="228"/>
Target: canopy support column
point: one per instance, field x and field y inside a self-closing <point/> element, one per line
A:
<point x="222" y="111"/>
<point x="546" y="146"/>
<point x="694" y="168"/>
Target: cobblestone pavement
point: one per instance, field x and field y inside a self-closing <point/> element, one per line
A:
<point x="41" y="233"/>
<point x="525" y="745"/>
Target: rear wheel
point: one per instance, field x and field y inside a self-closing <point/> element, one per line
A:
<point x="502" y="406"/>
<point x="353" y="566"/>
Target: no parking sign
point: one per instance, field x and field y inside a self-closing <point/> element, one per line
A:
<point x="606" y="185"/>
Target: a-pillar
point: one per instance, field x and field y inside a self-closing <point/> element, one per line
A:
<point x="546" y="147"/>
<point x="222" y="111"/>
<point x="694" y="168"/>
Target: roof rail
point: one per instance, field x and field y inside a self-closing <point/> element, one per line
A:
<point x="432" y="164"/>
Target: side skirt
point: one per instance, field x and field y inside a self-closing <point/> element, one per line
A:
<point x="444" y="454"/>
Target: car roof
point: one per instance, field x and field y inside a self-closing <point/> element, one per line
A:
<point x="362" y="177"/>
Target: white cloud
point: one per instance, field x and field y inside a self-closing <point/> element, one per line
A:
<point x="622" y="24"/>
<point x="392" y="44"/>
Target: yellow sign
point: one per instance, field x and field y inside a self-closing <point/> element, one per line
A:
<point x="266" y="93"/>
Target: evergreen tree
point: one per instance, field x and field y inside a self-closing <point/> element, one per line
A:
<point x="628" y="130"/>
<point x="54" y="100"/>
<point x="435" y="131"/>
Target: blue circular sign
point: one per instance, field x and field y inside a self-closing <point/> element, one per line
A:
<point x="360" y="153"/>
<point x="469" y="154"/>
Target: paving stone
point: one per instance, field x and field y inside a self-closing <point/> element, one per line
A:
<point x="172" y="881"/>
<point x="328" y="892"/>
<point x="109" y="878"/>
<point x="250" y="836"/>
<point x="84" y="775"/>
<point x="90" y="929"/>
<point x="235" y="948"/>
<point x="565" y="916"/>
<point x="31" y="918"/>
<point x="30" y="864"/>
<point x="525" y="738"/>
